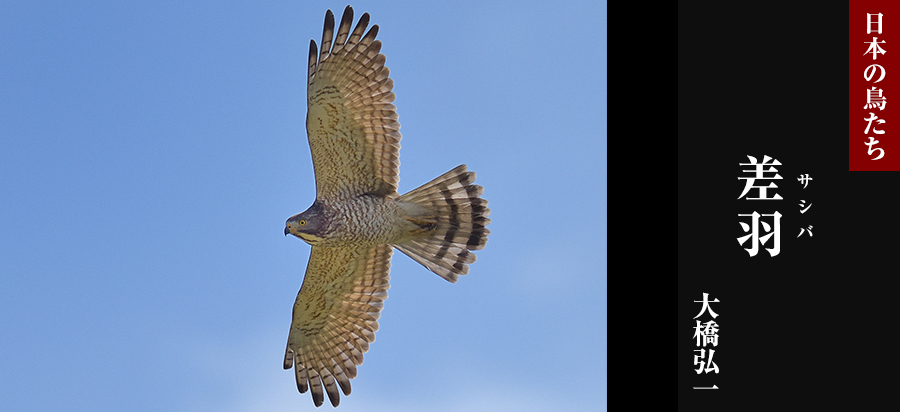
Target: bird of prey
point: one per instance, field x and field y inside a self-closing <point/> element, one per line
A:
<point x="358" y="218"/>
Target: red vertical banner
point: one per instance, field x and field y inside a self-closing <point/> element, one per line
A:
<point x="874" y="70"/>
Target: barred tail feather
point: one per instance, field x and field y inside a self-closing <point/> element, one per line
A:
<point x="458" y="218"/>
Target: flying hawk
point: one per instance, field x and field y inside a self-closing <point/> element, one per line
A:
<point x="358" y="217"/>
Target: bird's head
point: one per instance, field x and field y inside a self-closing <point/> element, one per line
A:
<point x="309" y="225"/>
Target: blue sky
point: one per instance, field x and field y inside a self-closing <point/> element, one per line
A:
<point x="151" y="152"/>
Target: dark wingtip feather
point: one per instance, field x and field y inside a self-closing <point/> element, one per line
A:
<point x="359" y="29"/>
<point x="302" y="387"/>
<point x="327" y="35"/>
<point x="329" y="23"/>
<point x="288" y="360"/>
<point x="313" y="55"/>
<point x="348" y="14"/>
<point x="318" y="398"/>
<point x="345" y="386"/>
<point x="344" y="28"/>
<point x="372" y="32"/>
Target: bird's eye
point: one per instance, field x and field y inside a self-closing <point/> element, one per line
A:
<point x="302" y="223"/>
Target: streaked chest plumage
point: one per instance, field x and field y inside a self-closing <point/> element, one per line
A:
<point x="364" y="219"/>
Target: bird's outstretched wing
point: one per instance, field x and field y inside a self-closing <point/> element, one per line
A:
<point x="351" y="123"/>
<point x="336" y="316"/>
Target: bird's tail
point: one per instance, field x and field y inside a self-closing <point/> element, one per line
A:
<point x="452" y="218"/>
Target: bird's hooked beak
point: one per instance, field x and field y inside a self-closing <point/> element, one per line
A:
<point x="287" y="230"/>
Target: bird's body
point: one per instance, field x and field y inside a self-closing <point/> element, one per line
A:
<point x="363" y="220"/>
<point x="358" y="217"/>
